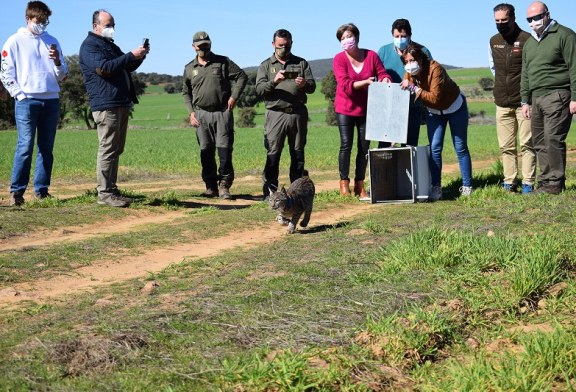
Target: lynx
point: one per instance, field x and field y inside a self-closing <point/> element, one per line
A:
<point x="291" y="203"/>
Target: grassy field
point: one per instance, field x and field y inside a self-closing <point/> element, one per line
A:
<point x="465" y="294"/>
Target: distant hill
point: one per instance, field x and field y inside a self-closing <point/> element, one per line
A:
<point x="321" y="67"/>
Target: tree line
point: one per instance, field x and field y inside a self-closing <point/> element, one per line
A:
<point x="74" y="104"/>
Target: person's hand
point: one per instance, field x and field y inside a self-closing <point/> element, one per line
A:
<point x="300" y="82"/>
<point x="386" y="80"/>
<point x="279" y="77"/>
<point x="404" y="84"/>
<point x="231" y="103"/>
<point x="140" y="52"/>
<point x="193" y="120"/>
<point x="572" y="107"/>
<point x="526" y="109"/>
<point x="54" y="54"/>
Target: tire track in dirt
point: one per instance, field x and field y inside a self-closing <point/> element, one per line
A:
<point x="87" y="231"/>
<point x="107" y="272"/>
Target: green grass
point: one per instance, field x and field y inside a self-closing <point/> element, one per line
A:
<point x="467" y="294"/>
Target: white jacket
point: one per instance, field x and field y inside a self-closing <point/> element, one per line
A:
<point x="26" y="70"/>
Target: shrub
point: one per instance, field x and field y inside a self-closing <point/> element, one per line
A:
<point x="245" y="118"/>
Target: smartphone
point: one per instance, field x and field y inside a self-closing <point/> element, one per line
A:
<point x="146" y="43"/>
<point x="290" y="74"/>
<point x="53" y="47"/>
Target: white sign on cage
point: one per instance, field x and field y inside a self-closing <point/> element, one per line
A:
<point x="387" y="114"/>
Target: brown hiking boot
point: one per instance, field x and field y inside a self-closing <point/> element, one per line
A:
<point x="549" y="189"/>
<point x="224" y="192"/>
<point x="359" y="189"/>
<point x="112" y="200"/>
<point x="345" y="187"/>
<point x="210" y="193"/>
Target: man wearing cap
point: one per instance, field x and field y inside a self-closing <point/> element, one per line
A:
<point x="212" y="85"/>
<point x="284" y="80"/>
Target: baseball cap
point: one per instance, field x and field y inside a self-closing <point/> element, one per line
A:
<point x="200" y="38"/>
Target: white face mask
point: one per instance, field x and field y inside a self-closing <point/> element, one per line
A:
<point x="37" y="28"/>
<point x="412" y="68"/>
<point x="537" y="25"/>
<point x="108" y="32"/>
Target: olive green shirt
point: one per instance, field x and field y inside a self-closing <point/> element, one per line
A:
<point x="284" y="94"/>
<point x="208" y="87"/>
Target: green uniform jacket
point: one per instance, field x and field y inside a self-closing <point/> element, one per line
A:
<point x="210" y="86"/>
<point x="507" y="57"/>
<point x="285" y="94"/>
<point x="549" y="64"/>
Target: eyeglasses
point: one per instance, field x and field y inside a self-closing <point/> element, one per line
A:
<point x="42" y="23"/>
<point x="536" y="17"/>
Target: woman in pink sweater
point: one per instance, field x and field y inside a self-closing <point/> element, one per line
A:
<point x="355" y="69"/>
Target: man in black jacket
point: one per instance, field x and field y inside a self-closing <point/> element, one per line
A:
<point x="506" y="66"/>
<point x="106" y="71"/>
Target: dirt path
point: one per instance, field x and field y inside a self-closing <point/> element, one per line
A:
<point x="107" y="272"/>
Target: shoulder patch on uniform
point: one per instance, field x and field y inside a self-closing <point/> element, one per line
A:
<point x="4" y="53"/>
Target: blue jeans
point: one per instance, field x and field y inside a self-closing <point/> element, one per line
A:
<point x="436" y="124"/>
<point x="33" y="115"/>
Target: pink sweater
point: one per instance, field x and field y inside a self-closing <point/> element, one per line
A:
<point x="348" y="101"/>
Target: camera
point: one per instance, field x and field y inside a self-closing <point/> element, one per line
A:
<point x="146" y="43"/>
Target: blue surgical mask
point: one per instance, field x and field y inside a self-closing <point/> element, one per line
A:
<point x="401" y="42"/>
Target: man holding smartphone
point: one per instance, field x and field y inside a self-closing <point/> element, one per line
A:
<point x="107" y="77"/>
<point x="284" y="80"/>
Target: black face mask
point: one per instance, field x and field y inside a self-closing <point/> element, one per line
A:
<point x="503" y="28"/>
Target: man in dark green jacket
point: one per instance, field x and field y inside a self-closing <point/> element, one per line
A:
<point x="211" y="87"/>
<point x="284" y="80"/>
<point x="548" y="91"/>
<point x="506" y="66"/>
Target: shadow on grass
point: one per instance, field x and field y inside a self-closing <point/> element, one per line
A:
<point x="452" y="190"/>
<point x="192" y="204"/>
<point x="322" y="228"/>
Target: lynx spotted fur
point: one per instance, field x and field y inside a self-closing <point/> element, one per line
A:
<point x="291" y="203"/>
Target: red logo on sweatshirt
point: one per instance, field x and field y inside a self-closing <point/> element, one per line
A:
<point x="4" y="53"/>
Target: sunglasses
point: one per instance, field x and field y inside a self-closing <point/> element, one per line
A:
<point x="536" y="17"/>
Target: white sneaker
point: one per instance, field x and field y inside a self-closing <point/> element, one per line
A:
<point x="465" y="190"/>
<point x="435" y="193"/>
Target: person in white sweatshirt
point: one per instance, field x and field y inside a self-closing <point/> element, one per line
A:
<point x="32" y="64"/>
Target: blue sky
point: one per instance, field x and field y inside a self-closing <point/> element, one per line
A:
<point x="455" y="31"/>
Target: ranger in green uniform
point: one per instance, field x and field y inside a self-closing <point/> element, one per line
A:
<point x="212" y="85"/>
<point x="284" y="80"/>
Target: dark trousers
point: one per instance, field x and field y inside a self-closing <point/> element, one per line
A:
<point x="346" y="125"/>
<point x="216" y="132"/>
<point x="278" y="127"/>
<point x="551" y="120"/>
